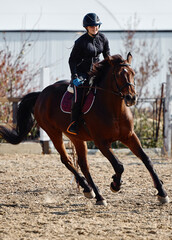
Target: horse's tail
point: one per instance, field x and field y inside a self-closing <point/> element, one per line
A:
<point x="25" y="120"/>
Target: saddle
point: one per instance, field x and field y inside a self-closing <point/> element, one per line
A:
<point x="66" y="101"/>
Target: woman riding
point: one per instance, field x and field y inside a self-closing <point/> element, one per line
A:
<point x="85" y="52"/>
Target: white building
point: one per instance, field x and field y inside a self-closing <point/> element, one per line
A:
<point x="50" y="28"/>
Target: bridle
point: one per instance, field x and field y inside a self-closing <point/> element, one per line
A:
<point x="125" y="84"/>
<point x="119" y="92"/>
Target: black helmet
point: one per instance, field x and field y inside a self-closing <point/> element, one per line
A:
<point x="91" y="19"/>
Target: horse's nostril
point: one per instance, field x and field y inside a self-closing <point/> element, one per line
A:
<point x="128" y="97"/>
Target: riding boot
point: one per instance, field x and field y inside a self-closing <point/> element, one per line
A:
<point x="75" y="114"/>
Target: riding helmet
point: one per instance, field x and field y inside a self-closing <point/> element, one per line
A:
<point x="91" y="19"/>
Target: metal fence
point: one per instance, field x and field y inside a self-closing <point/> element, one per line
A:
<point x="148" y="119"/>
<point x="8" y="110"/>
<point x="8" y="116"/>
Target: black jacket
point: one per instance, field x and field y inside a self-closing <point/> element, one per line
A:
<point x="86" y="51"/>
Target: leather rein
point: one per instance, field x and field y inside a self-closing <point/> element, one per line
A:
<point x="118" y="93"/>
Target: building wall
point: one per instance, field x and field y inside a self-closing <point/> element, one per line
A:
<point x="52" y="49"/>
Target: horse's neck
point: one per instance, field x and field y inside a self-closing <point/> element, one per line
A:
<point x="113" y="102"/>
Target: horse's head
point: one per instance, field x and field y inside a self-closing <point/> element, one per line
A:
<point x="123" y="78"/>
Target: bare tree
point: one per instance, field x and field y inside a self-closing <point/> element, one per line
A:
<point x="15" y="73"/>
<point x="15" y="77"/>
<point x="145" y="51"/>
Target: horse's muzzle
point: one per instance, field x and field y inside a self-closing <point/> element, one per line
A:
<point x="130" y="100"/>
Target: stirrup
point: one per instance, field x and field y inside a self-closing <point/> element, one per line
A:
<point x="72" y="130"/>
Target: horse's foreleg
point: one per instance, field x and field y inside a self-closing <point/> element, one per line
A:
<point x="116" y="164"/>
<point x="134" y="144"/>
<point x="81" y="149"/>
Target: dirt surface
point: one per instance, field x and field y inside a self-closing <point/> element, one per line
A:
<point x="39" y="200"/>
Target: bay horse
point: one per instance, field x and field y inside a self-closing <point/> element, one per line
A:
<point x="110" y="119"/>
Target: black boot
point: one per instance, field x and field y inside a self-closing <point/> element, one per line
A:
<point x="73" y="126"/>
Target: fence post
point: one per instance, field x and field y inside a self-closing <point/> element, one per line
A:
<point x="44" y="82"/>
<point x="168" y="118"/>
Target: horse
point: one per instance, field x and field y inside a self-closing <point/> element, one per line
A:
<point x="109" y="119"/>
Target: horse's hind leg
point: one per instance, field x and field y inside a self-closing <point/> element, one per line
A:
<point x="81" y="150"/>
<point x="57" y="140"/>
<point x="134" y="144"/>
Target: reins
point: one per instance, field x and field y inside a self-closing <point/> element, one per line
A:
<point x="119" y="93"/>
<point x="105" y="90"/>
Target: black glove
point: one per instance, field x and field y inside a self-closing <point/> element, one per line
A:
<point x="74" y="76"/>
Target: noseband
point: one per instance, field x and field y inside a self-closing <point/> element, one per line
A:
<point x="126" y="84"/>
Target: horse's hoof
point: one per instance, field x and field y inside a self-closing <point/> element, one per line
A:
<point x="90" y="194"/>
<point x="114" y="188"/>
<point x="102" y="203"/>
<point x="163" y="200"/>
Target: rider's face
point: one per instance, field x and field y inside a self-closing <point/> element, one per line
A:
<point x="93" y="30"/>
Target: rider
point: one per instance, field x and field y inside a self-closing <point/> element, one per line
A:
<point x="85" y="52"/>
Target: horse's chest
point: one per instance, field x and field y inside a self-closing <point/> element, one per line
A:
<point x="121" y="127"/>
<point x="117" y="126"/>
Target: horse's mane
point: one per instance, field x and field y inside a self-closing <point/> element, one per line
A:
<point x="100" y="68"/>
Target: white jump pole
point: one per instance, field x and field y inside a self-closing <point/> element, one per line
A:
<point x="44" y="82"/>
<point x="168" y="117"/>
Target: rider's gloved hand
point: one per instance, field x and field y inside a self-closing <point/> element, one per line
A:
<point x="77" y="82"/>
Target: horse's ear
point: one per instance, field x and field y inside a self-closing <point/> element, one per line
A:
<point x="129" y="58"/>
<point x="110" y="60"/>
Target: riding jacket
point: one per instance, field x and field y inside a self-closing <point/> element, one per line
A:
<point x="86" y="51"/>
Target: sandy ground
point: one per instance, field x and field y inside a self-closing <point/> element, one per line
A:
<point x="39" y="200"/>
